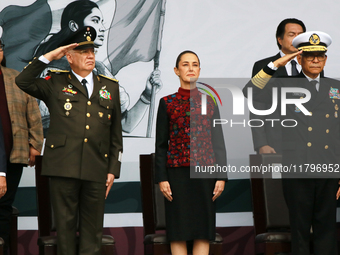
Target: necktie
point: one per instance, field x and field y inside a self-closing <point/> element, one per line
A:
<point x="294" y="69"/>
<point x="84" y="84"/>
<point x="313" y="89"/>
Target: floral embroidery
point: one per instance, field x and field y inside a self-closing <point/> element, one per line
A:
<point x="182" y="150"/>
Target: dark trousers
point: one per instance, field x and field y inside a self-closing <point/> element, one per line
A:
<point x="70" y="196"/>
<point x="312" y="203"/>
<point x="14" y="172"/>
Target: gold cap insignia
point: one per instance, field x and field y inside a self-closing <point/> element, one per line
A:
<point x="314" y="39"/>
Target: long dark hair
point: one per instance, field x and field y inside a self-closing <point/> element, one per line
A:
<point x="76" y="12"/>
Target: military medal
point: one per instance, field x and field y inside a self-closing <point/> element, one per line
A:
<point x="334" y="93"/>
<point x="336" y="114"/>
<point x="69" y="91"/>
<point x="103" y="93"/>
<point x="109" y="116"/>
<point x="336" y="107"/>
<point x="100" y="114"/>
<point x="67" y="106"/>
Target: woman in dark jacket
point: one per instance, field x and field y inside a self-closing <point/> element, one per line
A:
<point x="186" y="139"/>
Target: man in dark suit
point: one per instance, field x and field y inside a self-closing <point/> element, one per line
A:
<point x="84" y="145"/>
<point x="311" y="143"/>
<point x="267" y="138"/>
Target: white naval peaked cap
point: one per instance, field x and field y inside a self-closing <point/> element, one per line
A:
<point x="312" y="41"/>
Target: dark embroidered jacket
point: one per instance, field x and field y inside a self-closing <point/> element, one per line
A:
<point x="185" y="120"/>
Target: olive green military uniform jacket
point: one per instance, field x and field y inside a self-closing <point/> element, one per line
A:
<point x="84" y="140"/>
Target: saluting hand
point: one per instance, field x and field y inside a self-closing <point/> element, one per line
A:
<point x="165" y="189"/>
<point x="58" y="53"/>
<point x="285" y="59"/>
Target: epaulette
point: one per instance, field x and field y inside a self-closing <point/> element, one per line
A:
<point x="112" y="79"/>
<point x="58" y="71"/>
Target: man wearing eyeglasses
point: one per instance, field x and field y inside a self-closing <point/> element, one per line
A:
<point x="84" y="144"/>
<point x="311" y="143"/>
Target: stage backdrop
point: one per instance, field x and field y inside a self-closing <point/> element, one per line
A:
<point x="141" y="36"/>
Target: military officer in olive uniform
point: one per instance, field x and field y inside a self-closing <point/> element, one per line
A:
<point x="83" y="148"/>
<point x="312" y="144"/>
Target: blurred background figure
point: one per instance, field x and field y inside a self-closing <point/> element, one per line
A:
<point x="23" y="138"/>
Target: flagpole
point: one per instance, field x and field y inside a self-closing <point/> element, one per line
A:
<point x="156" y="65"/>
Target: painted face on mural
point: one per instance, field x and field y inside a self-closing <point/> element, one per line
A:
<point x="95" y="20"/>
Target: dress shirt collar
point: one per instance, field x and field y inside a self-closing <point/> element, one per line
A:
<point x="310" y="79"/>
<point x="289" y="65"/>
<point x="89" y="80"/>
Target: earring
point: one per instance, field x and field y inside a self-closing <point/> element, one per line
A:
<point x="73" y="26"/>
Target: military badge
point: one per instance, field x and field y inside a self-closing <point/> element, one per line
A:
<point x="67" y="106"/>
<point x="336" y="107"/>
<point x="100" y="114"/>
<point x="87" y="34"/>
<point x="334" y="93"/>
<point x="314" y="39"/>
<point x="103" y="93"/>
<point x="69" y="91"/>
<point x="336" y="114"/>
